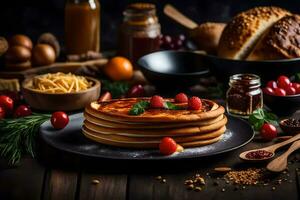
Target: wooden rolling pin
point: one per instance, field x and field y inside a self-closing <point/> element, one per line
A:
<point x="206" y="35"/>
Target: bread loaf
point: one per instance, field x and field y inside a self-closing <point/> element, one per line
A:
<point x="207" y="36"/>
<point x="242" y="33"/>
<point x="281" y="41"/>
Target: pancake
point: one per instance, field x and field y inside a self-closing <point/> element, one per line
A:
<point x="129" y="142"/>
<point x="117" y="111"/>
<point x="90" y="115"/>
<point x="185" y="131"/>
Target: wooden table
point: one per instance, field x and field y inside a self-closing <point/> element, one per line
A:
<point x="56" y="175"/>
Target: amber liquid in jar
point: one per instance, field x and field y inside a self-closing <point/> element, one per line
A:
<point x="140" y="31"/>
<point x="82" y="26"/>
<point x="244" y="95"/>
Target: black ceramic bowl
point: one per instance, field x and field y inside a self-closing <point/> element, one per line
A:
<point x="186" y="67"/>
<point x="267" y="69"/>
<point x="169" y="69"/>
<point x="282" y="105"/>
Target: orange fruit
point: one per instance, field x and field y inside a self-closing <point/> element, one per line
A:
<point x="119" y="69"/>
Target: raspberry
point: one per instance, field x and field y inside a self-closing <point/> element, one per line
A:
<point x="156" y="102"/>
<point x="195" y="103"/>
<point x="181" y="98"/>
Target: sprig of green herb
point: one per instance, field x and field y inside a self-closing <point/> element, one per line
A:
<point x="139" y="108"/>
<point x="117" y="88"/>
<point x="18" y="136"/>
<point x="260" y="116"/>
<point x="170" y="106"/>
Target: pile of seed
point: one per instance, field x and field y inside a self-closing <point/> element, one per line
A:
<point x="196" y="183"/>
<point x="251" y="176"/>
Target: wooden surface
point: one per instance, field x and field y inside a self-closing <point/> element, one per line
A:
<point x="56" y="175"/>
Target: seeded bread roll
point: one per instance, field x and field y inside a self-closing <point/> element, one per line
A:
<point x="281" y="41"/>
<point x="242" y="33"/>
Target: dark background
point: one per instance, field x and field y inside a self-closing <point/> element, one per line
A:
<point x="36" y="17"/>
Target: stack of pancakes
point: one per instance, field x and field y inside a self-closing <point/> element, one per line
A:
<point x="110" y="123"/>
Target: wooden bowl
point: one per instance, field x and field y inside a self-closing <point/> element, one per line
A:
<point x="62" y="101"/>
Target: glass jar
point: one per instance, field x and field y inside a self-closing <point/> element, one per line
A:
<point x="140" y="31"/>
<point x="82" y="26"/>
<point x="244" y="95"/>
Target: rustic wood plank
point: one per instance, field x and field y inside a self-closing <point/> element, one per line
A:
<point x="145" y="186"/>
<point x="60" y="184"/>
<point x="22" y="182"/>
<point x="110" y="186"/>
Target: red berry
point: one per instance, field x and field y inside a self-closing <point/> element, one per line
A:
<point x="268" y="131"/>
<point x="7" y="103"/>
<point x="279" y="92"/>
<point x="181" y="98"/>
<point x="195" y="103"/>
<point x="2" y="113"/>
<point x="59" y="120"/>
<point x="283" y="81"/>
<point x="156" y="102"/>
<point x="268" y="90"/>
<point x="136" y="91"/>
<point x="272" y="84"/>
<point x="22" y="111"/>
<point x="290" y="90"/>
<point x="297" y="87"/>
<point x="167" y="146"/>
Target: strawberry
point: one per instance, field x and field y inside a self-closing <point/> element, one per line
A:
<point x="156" y="102"/>
<point x="181" y="98"/>
<point x="167" y="146"/>
<point x="194" y="103"/>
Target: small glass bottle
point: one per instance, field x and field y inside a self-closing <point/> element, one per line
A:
<point x="244" y="95"/>
<point x="140" y="31"/>
<point x="82" y="26"/>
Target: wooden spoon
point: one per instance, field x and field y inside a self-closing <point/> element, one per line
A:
<point x="177" y="16"/>
<point x="279" y="164"/>
<point x="270" y="149"/>
<point x="205" y="35"/>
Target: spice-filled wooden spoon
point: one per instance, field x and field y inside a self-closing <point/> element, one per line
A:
<point x="279" y="164"/>
<point x="206" y="35"/>
<point x="266" y="152"/>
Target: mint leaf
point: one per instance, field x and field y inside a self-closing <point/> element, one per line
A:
<point x="139" y="108"/>
<point x="171" y="106"/>
<point x="260" y="116"/>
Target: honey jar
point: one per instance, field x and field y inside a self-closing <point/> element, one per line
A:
<point x="244" y="95"/>
<point x="140" y="31"/>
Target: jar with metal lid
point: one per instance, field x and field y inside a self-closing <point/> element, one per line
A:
<point x="244" y="95"/>
<point x="140" y="31"/>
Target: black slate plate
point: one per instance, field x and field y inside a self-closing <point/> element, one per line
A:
<point x="70" y="139"/>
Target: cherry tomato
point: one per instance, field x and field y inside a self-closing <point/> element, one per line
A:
<point x="283" y="81"/>
<point x="297" y="87"/>
<point x="279" y="92"/>
<point x="167" y="146"/>
<point x="22" y="111"/>
<point x="272" y="84"/>
<point x="268" y="90"/>
<point x="136" y="91"/>
<point x="268" y="131"/>
<point x="105" y="97"/>
<point x="290" y="90"/>
<point x="7" y="103"/>
<point x="59" y="120"/>
<point x="2" y="113"/>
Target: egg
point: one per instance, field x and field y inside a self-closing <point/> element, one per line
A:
<point x="43" y="54"/>
<point x="21" y="40"/>
<point x="16" y="54"/>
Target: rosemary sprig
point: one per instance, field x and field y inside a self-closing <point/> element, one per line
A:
<point x="17" y="136"/>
